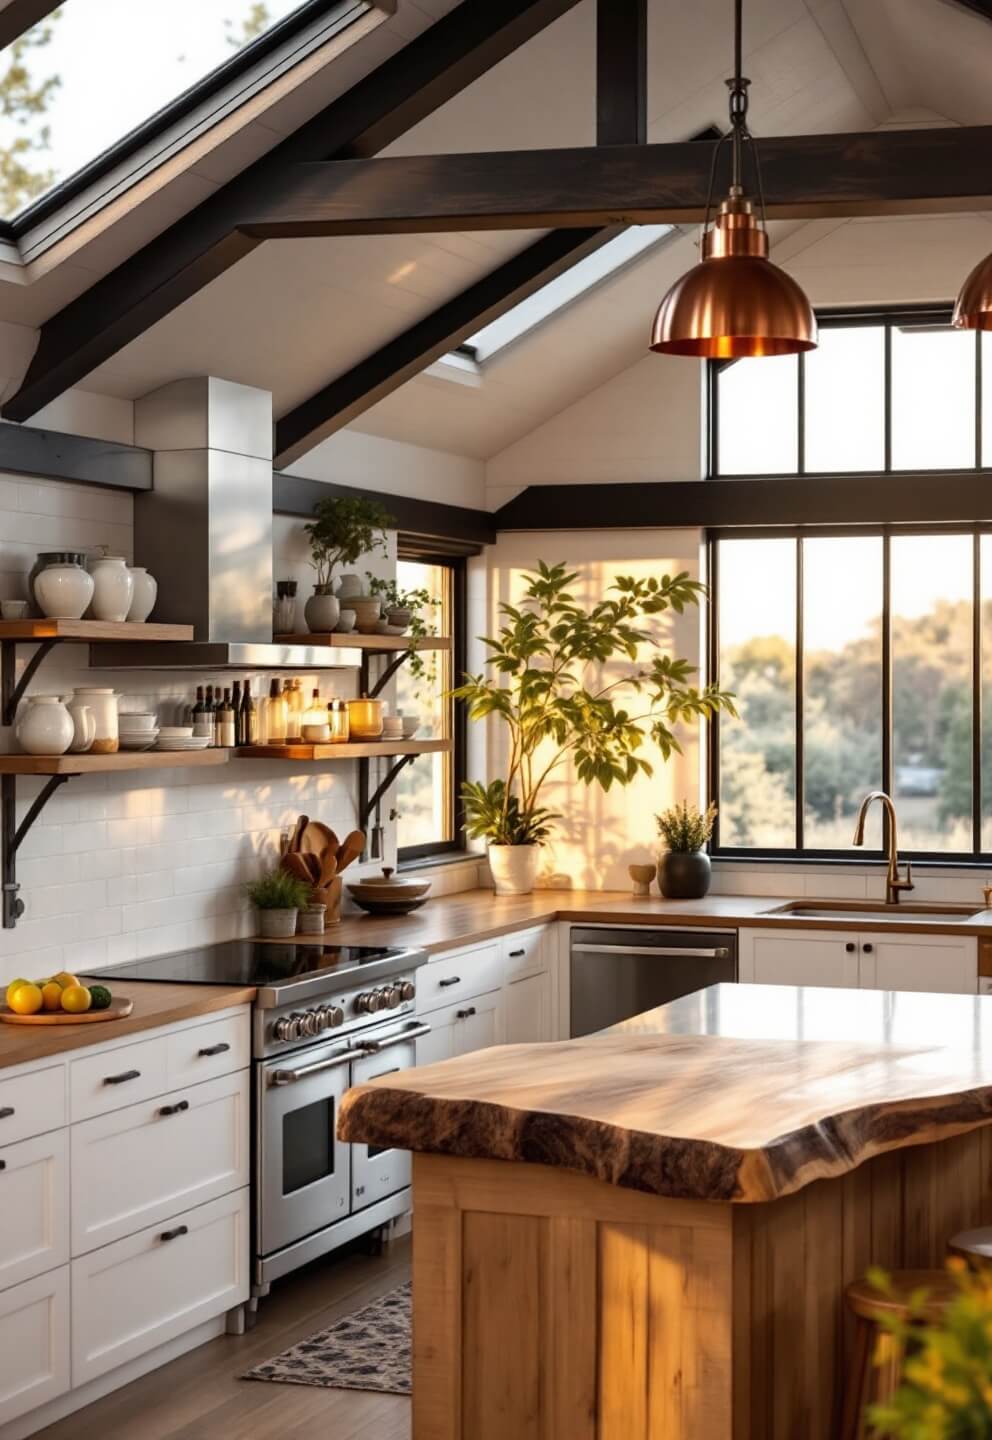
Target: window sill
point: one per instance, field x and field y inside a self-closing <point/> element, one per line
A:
<point x="870" y="859"/>
<point x="442" y="860"/>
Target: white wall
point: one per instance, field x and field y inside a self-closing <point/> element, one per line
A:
<point x="373" y="463"/>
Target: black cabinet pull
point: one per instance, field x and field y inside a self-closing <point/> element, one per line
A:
<point x="516" y="954"/>
<point x="867" y="949"/>
<point x="3" y="1164"/>
<point x="176" y="1109"/>
<point x="174" y="1234"/>
<point x="209" y="1050"/>
<point x="124" y="1075"/>
<point x="451" y="980"/>
<point x="6" y="1111"/>
<point x="849" y="947"/>
<point x="465" y="1014"/>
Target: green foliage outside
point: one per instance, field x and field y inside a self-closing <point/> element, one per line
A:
<point x="24" y="99"/>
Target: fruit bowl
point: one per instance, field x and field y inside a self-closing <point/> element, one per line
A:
<point x="60" y="1000"/>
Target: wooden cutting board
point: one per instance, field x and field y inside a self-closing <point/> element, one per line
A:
<point x="116" y="1010"/>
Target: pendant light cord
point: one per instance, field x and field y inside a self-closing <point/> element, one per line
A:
<point x="738" y="134"/>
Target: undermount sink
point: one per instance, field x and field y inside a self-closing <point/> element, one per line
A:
<point x="869" y="911"/>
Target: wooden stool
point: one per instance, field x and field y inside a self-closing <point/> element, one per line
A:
<point x="975" y="1246"/>
<point x="867" y="1381"/>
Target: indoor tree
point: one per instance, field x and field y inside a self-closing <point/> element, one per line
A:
<point x="545" y="687"/>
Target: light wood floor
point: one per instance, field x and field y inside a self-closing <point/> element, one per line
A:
<point x="199" y="1397"/>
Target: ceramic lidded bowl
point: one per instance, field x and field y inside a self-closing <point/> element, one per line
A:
<point x="388" y="895"/>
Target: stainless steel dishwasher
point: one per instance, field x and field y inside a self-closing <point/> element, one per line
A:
<point x="615" y="974"/>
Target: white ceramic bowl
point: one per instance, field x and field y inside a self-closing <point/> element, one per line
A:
<point x="411" y="724"/>
<point x="136" y="720"/>
<point x="176" y="732"/>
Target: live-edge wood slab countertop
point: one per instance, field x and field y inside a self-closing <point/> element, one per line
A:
<point x="154" y="1004"/>
<point x="737" y="1093"/>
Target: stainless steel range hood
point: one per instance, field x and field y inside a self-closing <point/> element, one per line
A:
<point x="205" y="533"/>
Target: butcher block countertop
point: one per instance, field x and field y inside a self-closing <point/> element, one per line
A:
<point x="737" y="1093"/>
<point x="154" y="1004"/>
<point x="477" y="915"/>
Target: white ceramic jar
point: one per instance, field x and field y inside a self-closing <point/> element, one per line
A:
<point x="63" y="592"/>
<point x="84" y="726"/>
<point x="44" y="726"/>
<point x="321" y="612"/>
<point x="144" y="594"/>
<point x="113" y="588"/>
<point x="103" y="703"/>
<point x="348" y="587"/>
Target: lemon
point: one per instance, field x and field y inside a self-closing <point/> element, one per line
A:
<point x="75" y="999"/>
<point x="13" y="986"/>
<point x="26" y="999"/>
<point x="65" y="979"/>
<point x="51" y="995"/>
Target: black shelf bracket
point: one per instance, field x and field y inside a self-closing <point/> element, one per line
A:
<point x="12" y="836"/>
<point x="11" y="689"/>
<point x="374" y="688"/>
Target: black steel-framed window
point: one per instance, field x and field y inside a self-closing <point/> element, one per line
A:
<point x="428" y="792"/>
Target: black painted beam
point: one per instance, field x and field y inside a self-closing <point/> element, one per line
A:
<point x="53" y="456"/>
<point x="893" y="172"/>
<point x="296" y="495"/>
<point x="371" y="380"/>
<point x="19" y="15"/>
<point x="410" y="85"/>
<point x="980" y="7"/>
<point x="925" y="497"/>
<point x="621" y="72"/>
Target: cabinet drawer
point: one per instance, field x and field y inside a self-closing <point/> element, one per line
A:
<point x="525" y="953"/>
<point x="137" y="1166"/>
<point x="451" y="978"/>
<point x="143" y="1291"/>
<point x="34" y="1343"/>
<point x="34" y="1207"/>
<point x="475" y="1024"/>
<point x="199" y="1052"/>
<point x="32" y="1104"/>
<point x="118" y="1077"/>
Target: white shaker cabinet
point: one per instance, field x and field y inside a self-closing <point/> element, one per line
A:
<point x="947" y="963"/>
<point x="528" y="1018"/>
<point x="34" y="1343"/>
<point x="34" y="1207"/>
<point x="472" y="1024"/>
<point x="798" y="957"/>
<point x="872" y="959"/>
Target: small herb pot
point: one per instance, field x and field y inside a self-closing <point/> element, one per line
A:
<point x="277" y="924"/>
<point x="684" y="875"/>
<point x="311" y="920"/>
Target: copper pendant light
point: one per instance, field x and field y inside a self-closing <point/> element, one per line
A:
<point x="735" y="303"/>
<point x="974" y="308"/>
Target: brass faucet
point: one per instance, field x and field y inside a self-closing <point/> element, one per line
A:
<point x="894" y="882"/>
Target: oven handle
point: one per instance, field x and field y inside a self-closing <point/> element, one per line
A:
<point x="721" y="952"/>
<point x="374" y="1047"/>
<point x="289" y="1077"/>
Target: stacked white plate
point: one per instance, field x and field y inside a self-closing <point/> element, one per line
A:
<point x="180" y="737"/>
<point x="138" y="739"/>
<point x="138" y="730"/>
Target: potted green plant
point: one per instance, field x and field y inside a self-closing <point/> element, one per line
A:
<point x="278" y="896"/>
<point x="343" y="528"/>
<point x="684" y="869"/>
<point x="409" y="611"/>
<point x="548" y="691"/>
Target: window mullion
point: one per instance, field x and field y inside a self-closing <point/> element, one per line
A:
<point x="976" y="700"/>
<point x="800" y="781"/>
<point x="888" y="780"/>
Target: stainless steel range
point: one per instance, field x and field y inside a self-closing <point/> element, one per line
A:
<point x="326" y="1017"/>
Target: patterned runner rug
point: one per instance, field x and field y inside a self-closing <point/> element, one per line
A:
<point x="369" y="1350"/>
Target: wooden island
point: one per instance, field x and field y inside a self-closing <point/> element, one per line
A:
<point x="645" y="1234"/>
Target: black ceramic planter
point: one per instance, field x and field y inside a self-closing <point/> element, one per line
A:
<point x="684" y="876"/>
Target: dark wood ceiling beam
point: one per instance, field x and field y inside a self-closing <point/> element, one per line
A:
<point x="349" y="395"/>
<point x="19" y="15"/>
<point x="414" y="82"/>
<point x="980" y="7"/>
<point x="893" y="172"/>
<point x="621" y="72"/>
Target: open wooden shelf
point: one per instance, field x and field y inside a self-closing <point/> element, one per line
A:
<point x="353" y="750"/>
<point x="91" y="630"/>
<point x="122" y="760"/>
<point x="354" y="641"/>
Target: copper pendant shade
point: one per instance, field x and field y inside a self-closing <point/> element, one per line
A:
<point x="974" y="308"/>
<point x="735" y="303"/>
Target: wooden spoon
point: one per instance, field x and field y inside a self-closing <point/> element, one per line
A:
<point x="295" y="865"/>
<point x="353" y="846"/>
<point x="316" y="837"/>
<point x="328" y="867"/>
<point x="311" y="863"/>
<point x="297" y="835"/>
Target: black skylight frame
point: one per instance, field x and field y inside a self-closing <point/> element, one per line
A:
<point x="30" y="12"/>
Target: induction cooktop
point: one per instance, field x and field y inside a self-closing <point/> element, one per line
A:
<point x="249" y="962"/>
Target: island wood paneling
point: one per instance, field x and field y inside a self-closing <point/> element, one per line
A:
<point x="549" y="1305"/>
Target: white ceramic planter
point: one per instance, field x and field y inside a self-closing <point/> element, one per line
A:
<point x="144" y="594"/>
<point x="277" y="924"/>
<point x="514" y="868"/>
<point x="103" y="703"/>
<point x="63" y="592"/>
<point x="348" y="587"/>
<point x="322" y="612"/>
<point x="45" y="726"/>
<point x="368" y="613"/>
<point x="113" y="588"/>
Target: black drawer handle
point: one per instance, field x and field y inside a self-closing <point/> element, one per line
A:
<point x="867" y="949"/>
<point x="516" y="954"/>
<point x="120" y="1079"/>
<point x="6" y="1111"/>
<point x="209" y="1050"/>
<point x="176" y="1109"/>
<point x="849" y="947"/>
<point x="174" y="1234"/>
<point x="465" y="1014"/>
<point x="451" y="980"/>
<point x="3" y="1164"/>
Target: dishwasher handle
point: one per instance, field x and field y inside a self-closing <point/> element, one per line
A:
<point x="719" y="952"/>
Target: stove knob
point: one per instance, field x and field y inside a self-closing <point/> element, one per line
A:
<point x="311" y="1023"/>
<point x="407" y="990"/>
<point x="281" y="1030"/>
<point x="335" y="1016"/>
<point x="368" y="1002"/>
<point x="393" y="996"/>
<point x="322" y="1015"/>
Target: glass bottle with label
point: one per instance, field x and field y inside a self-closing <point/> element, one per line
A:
<point x="275" y="716"/>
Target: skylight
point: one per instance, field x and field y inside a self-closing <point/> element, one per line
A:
<point x="93" y="71"/>
<point x="582" y="277"/>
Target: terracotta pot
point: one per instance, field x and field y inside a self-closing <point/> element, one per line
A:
<point x="684" y="875"/>
<point x="514" y="868"/>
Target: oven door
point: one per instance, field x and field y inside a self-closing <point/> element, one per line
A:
<point x="303" y="1172"/>
<point x="376" y="1173"/>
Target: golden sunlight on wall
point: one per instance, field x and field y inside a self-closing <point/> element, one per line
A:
<point x="601" y="833"/>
